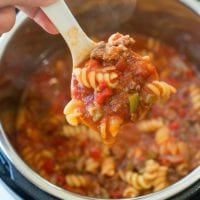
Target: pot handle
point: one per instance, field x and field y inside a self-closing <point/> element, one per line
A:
<point x="19" y="184"/>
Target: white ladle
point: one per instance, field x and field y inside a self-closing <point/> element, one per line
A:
<point x="79" y="43"/>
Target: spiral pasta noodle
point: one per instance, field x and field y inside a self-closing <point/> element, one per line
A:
<point x="130" y="192"/>
<point x="108" y="166"/>
<point x="154" y="176"/>
<point x="182" y="169"/>
<point x="161" y="89"/>
<point x="91" y="79"/>
<point x="137" y="181"/>
<point x="195" y="98"/>
<point x="162" y="135"/>
<point x="28" y="153"/>
<point x="76" y="180"/>
<point x="72" y="111"/>
<point x="150" y="125"/>
<point x="109" y="128"/>
<point x="160" y="181"/>
<point x="93" y="135"/>
<point x="71" y="131"/>
<point x="91" y="165"/>
<point x="167" y="144"/>
<point x="21" y="118"/>
<point x="151" y="170"/>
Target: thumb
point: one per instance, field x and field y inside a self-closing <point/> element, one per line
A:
<point x="29" y="3"/>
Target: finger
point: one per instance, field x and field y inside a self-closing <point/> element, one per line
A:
<point x="30" y="3"/>
<point x="40" y="18"/>
<point x="7" y="18"/>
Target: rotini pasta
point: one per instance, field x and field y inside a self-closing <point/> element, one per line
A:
<point x="40" y="157"/>
<point x="195" y="98"/>
<point x="72" y="112"/>
<point x="150" y="125"/>
<point x="108" y="167"/>
<point x="93" y="135"/>
<point x="109" y="128"/>
<point x="182" y="169"/>
<point x="91" y="165"/>
<point x="76" y="180"/>
<point x="161" y="89"/>
<point x="130" y="192"/>
<point x="91" y="79"/>
<point x="154" y="176"/>
<point x="137" y="181"/>
<point x="151" y="170"/>
<point x="95" y="112"/>
<point x="71" y="131"/>
<point x="28" y="154"/>
<point x="160" y="181"/>
<point x="162" y="135"/>
<point x="167" y="145"/>
<point x="21" y="118"/>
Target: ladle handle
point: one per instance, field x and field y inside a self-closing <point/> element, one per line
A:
<point x="79" y="43"/>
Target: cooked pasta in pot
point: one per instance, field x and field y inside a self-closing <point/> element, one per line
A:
<point x="148" y="156"/>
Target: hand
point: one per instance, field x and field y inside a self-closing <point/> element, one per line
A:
<point x="30" y="7"/>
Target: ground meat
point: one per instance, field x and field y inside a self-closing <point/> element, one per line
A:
<point x="113" y="49"/>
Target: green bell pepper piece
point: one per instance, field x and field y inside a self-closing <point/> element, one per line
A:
<point x="134" y="101"/>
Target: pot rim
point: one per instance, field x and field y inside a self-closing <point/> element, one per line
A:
<point x="32" y="176"/>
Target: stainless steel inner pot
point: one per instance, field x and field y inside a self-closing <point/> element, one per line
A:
<point x="22" y="49"/>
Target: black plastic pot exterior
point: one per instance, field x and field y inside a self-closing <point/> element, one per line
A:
<point x="27" y="45"/>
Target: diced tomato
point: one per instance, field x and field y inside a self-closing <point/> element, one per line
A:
<point x="75" y="93"/>
<point x="103" y="85"/>
<point x="116" y="193"/>
<point x="174" y="125"/>
<point x="95" y="153"/>
<point x="48" y="166"/>
<point x="93" y="63"/>
<point x="101" y="96"/>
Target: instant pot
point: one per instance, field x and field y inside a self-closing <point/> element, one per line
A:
<point x="27" y="45"/>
